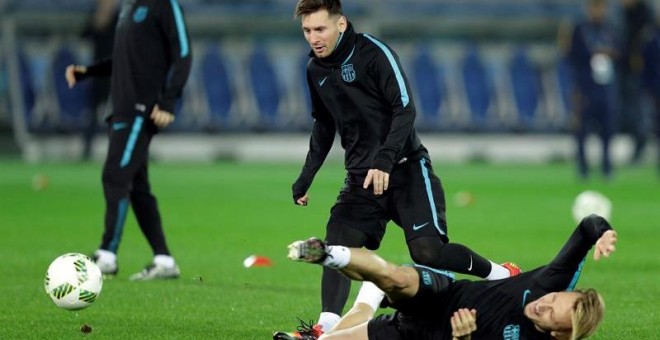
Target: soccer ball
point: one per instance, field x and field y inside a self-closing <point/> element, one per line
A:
<point x="591" y="202"/>
<point x="73" y="281"/>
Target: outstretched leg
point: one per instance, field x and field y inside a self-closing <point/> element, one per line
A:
<point x="398" y="283"/>
<point x="359" y="264"/>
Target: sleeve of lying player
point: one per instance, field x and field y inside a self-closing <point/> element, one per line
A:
<point x="174" y="27"/>
<point x="564" y="270"/>
<point x="320" y="143"/>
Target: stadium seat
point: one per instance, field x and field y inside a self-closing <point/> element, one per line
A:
<point x="217" y="87"/>
<point x="565" y="84"/>
<point x="478" y="88"/>
<point x="74" y="104"/>
<point x="180" y="123"/>
<point x="307" y="108"/>
<point x="27" y="88"/>
<point x="265" y="88"/>
<point x="303" y="78"/>
<point x="430" y="89"/>
<point x="4" y="85"/>
<point x="526" y="85"/>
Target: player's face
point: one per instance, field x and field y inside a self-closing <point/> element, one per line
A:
<point x="322" y="31"/>
<point x="598" y="11"/>
<point x="552" y="312"/>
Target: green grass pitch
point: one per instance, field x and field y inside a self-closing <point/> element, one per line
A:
<point x="215" y="215"/>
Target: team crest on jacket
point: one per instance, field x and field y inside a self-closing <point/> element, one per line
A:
<point x="511" y="332"/>
<point x="140" y="14"/>
<point x="347" y="73"/>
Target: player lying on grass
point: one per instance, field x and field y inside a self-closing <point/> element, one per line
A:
<point x="539" y="304"/>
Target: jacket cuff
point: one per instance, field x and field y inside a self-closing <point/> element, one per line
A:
<point x="81" y="76"/>
<point x="299" y="189"/>
<point x="383" y="164"/>
<point x="167" y="105"/>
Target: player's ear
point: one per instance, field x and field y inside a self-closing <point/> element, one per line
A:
<point x="561" y="335"/>
<point x="342" y="23"/>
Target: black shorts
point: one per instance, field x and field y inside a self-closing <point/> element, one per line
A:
<point x="414" y="200"/>
<point x="424" y="316"/>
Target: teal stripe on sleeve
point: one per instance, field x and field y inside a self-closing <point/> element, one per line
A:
<point x="397" y="72"/>
<point x="180" y="28"/>
<point x="576" y="276"/>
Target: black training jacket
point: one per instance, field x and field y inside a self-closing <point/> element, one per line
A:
<point x="361" y="93"/>
<point x="151" y="58"/>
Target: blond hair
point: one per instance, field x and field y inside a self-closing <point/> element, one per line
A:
<point x="588" y="312"/>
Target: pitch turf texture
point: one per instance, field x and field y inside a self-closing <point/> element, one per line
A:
<point x="216" y="215"/>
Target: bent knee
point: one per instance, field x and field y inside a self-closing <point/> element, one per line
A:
<point x="427" y="257"/>
<point x="427" y="251"/>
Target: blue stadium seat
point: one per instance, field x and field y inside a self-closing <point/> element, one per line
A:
<point x="266" y="91"/>
<point x="4" y="86"/>
<point x="74" y="104"/>
<point x="565" y="83"/>
<point x="218" y="88"/>
<point x="27" y="88"/>
<point x="478" y="88"/>
<point x="526" y="85"/>
<point x="308" y="100"/>
<point x="303" y="73"/>
<point x="179" y="124"/>
<point x="430" y="88"/>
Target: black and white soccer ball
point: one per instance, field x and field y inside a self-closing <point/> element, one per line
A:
<point x="73" y="281"/>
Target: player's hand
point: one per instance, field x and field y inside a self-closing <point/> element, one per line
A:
<point x="605" y="245"/>
<point x="161" y="118"/>
<point x="463" y="323"/>
<point x="70" y="73"/>
<point x="379" y="179"/>
<point x="302" y="200"/>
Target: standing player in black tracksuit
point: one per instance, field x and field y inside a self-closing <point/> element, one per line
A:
<point x="149" y="67"/>
<point x="539" y="304"/>
<point x="358" y="90"/>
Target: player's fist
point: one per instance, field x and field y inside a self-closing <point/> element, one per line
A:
<point x="605" y="245"/>
<point x="301" y="200"/>
<point x="70" y="73"/>
<point x="161" y="118"/>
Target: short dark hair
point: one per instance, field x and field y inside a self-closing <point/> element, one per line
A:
<point x="305" y="7"/>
